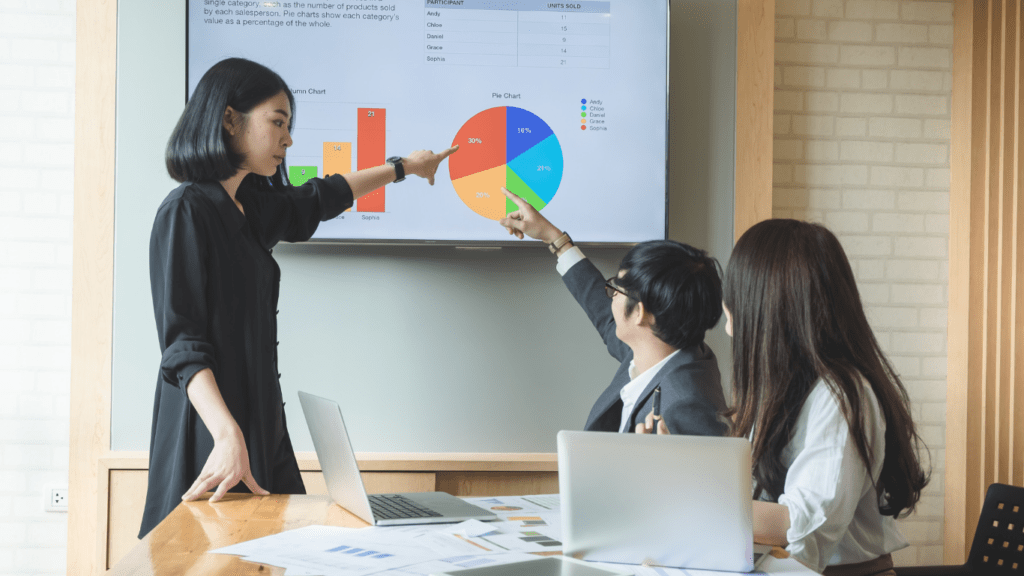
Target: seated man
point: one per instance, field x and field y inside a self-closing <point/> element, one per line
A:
<point x="664" y="298"/>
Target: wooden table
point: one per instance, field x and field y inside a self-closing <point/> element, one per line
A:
<point x="178" y="545"/>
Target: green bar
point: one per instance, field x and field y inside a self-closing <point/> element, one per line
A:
<point x="516" y="186"/>
<point x="299" y="174"/>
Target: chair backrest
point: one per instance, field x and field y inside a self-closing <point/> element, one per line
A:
<point x="998" y="546"/>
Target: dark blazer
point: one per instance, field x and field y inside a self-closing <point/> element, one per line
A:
<point x="691" y="385"/>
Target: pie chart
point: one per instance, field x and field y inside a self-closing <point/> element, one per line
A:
<point x="510" y="147"/>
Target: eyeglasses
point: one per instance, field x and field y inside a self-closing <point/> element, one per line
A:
<point x="610" y="288"/>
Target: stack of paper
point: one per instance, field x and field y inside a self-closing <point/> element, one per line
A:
<point x="525" y="526"/>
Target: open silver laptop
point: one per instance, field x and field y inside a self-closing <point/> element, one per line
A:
<point x="676" y="501"/>
<point x="345" y="485"/>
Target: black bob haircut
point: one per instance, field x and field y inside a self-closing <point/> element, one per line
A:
<point x="198" y="149"/>
<point x="678" y="284"/>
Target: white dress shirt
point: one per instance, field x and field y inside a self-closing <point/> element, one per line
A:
<point x="632" y="390"/>
<point x="833" y="505"/>
<point x="568" y="259"/>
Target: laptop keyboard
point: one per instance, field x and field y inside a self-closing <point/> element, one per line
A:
<point x="396" y="506"/>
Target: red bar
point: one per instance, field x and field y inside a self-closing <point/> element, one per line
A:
<point x="370" y="152"/>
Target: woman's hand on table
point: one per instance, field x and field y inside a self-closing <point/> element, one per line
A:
<point x="227" y="465"/>
<point x="424" y="163"/>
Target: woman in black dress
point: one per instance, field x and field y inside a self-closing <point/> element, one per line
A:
<point x="218" y="416"/>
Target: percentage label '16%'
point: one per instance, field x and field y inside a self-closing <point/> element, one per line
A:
<point x="524" y="131"/>
<point x="476" y="141"/>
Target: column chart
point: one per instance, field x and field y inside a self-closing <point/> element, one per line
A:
<point x="527" y="33"/>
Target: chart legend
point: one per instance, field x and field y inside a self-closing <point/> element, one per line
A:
<point x="510" y="147"/>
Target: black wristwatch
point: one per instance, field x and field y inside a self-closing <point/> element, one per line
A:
<point x="396" y="161"/>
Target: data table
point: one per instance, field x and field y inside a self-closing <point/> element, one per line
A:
<point x="528" y="33"/>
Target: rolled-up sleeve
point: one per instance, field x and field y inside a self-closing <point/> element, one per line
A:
<point x="293" y="214"/>
<point x="177" y="274"/>
<point x="824" y="483"/>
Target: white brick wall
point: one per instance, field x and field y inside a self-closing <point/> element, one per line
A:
<point x="37" y="68"/>
<point x="862" y="145"/>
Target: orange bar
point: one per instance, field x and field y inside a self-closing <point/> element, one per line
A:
<point x="370" y="152"/>
<point x="337" y="159"/>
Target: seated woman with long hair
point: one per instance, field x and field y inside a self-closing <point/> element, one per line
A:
<point x="834" y="448"/>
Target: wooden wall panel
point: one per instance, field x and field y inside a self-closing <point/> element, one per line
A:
<point x="755" y="101"/>
<point x="127" y="501"/>
<point x="497" y="483"/>
<point x="985" y="399"/>
<point x="93" y="282"/>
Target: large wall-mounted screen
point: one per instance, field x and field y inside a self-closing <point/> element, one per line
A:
<point x="563" y="103"/>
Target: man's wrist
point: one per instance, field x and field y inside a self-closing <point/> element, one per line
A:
<point x="551" y="235"/>
<point x="560" y="244"/>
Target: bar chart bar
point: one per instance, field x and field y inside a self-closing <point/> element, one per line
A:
<point x="370" y="152"/>
<point x="337" y="159"/>
<point x="298" y="175"/>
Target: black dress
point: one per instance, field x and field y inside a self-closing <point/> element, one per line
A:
<point x="215" y="290"/>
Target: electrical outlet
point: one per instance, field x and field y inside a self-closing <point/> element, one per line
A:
<point x="56" y="499"/>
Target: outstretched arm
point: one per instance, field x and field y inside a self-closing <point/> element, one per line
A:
<point x="583" y="279"/>
<point x="422" y="163"/>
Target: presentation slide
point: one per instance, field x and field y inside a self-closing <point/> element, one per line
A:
<point x="563" y="103"/>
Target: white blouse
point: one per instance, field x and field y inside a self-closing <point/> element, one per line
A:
<point x="833" y="505"/>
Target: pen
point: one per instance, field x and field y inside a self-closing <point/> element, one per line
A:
<point x="657" y="409"/>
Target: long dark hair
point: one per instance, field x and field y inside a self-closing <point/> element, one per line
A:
<point x="797" y="318"/>
<point x="198" y="149"/>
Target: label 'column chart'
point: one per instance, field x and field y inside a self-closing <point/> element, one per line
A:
<point x="510" y="147"/>
<point x="370" y="152"/>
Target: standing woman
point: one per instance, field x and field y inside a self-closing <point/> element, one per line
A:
<point x="218" y="416"/>
<point x="834" y="448"/>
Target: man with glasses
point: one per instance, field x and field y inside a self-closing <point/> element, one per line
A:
<point x="652" y="316"/>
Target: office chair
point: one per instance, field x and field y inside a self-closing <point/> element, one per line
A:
<point x="998" y="546"/>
